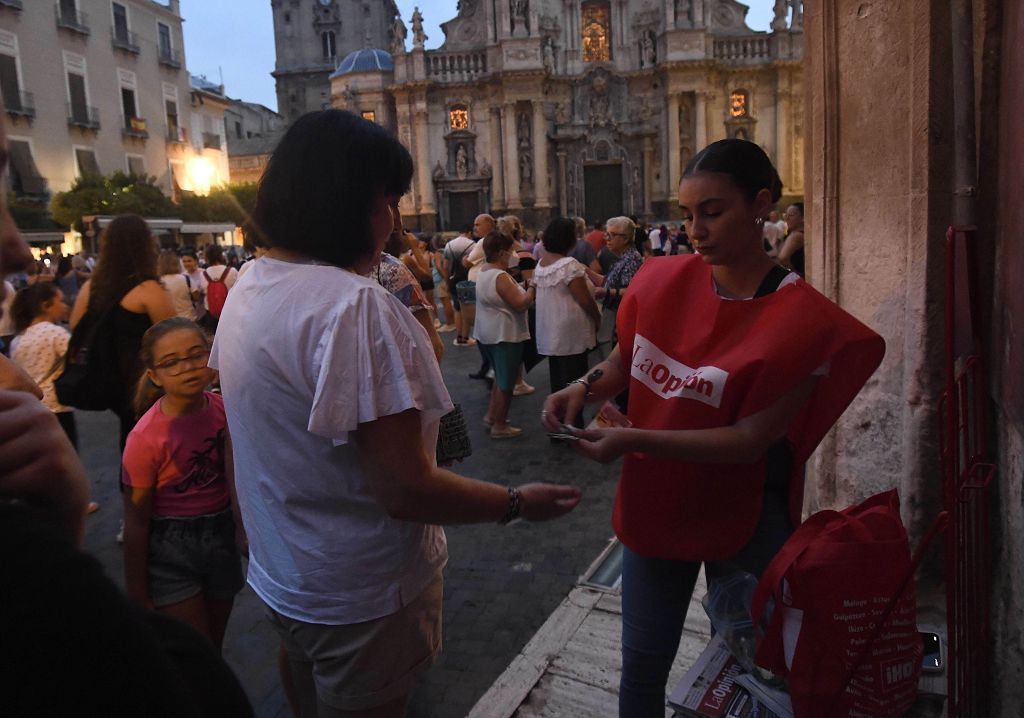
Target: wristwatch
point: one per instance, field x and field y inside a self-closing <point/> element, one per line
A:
<point x="589" y="379"/>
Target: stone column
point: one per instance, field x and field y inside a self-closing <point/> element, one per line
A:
<point x="563" y="182"/>
<point x="783" y="140"/>
<point x="497" y="166"/>
<point x="511" y="158"/>
<point x="542" y="191"/>
<point x="700" y="112"/>
<point x="674" y="173"/>
<point x="425" y="184"/>
<point x="649" y="169"/>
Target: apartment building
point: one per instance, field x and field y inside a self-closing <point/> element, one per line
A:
<point x="96" y="86"/>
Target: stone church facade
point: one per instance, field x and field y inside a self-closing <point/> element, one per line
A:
<point x="578" y="107"/>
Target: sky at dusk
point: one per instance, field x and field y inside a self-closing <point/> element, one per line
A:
<point x="233" y="40"/>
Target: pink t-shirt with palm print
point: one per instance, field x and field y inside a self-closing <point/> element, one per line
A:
<point x="182" y="458"/>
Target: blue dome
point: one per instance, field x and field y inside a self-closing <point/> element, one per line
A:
<point x="366" y="60"/>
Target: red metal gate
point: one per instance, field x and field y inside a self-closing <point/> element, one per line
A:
<point x="967" y="472"/>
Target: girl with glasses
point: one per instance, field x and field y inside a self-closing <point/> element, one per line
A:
<point x="181" y="546"/>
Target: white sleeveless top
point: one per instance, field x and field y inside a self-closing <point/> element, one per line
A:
<point x="496" y="321"/>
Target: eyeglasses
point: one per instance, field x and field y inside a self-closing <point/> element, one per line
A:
<point x="180" y="365"/>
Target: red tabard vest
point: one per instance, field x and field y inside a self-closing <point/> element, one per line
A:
<point x="697" y="361"/>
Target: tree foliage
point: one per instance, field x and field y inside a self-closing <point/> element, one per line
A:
<point x="120" y="193"/>
<point x="228" y="203"/>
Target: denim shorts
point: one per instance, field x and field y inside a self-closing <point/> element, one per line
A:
<point x="189" y="556"/>
<point x="466" y="292"/>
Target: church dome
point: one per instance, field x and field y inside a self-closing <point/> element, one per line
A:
<point x="366" y="60"/>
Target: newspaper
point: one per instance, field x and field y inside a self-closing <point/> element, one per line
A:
<point x="712" y="689"/>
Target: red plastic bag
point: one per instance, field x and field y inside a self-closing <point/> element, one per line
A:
<point x="844" y="630"/>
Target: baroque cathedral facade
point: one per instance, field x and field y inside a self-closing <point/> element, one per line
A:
<point x="572" y="107"/>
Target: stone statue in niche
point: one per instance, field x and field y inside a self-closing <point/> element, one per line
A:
<point x="562" y="113"/>
<point x="439" y="172"/>
<point x="485" y="169"/>
<point x="525" y="172"/>
<point x="519" y="10"/>
<point x="638" y="189"/>
<point x="648" y="49"/>
<point x="349" y="96"/>
<point x="549" y="55"/>
<point x="461" y="162"/>
<point x="523" y="130"/>
<point x="398" y="35"/>
<point x="418" y="36"/>
<point x="684" y="13"/>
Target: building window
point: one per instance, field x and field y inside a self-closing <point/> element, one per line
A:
<point x="459" y="117"/>
<point x="174" y="133"/>
<point x="85" y="158"/>
<point x="596" y="32"/>
<point x="327" y="43"/>
<point x="739" y="104"/>
<point x="128" y="107"/>
<point x="164" y="32"/>
<point x="25" y="177"/>
<point x="238" y="130"/>
<point x="120" y="22"/>
<point x="136" y="165"/>
<point x="370" y="115"/>
<point x="16" y="101"/>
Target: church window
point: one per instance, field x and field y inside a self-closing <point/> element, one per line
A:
<point x="370" y="115"/>
<point x="596" y="32"/>
<point x="458" y="117"/>
<point x="327" y="43"/>
<point x="739" y="105"/>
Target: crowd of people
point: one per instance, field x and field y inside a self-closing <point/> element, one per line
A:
<point x="308" y="444"/>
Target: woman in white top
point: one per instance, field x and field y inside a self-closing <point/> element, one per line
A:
<point x="333" y="412"/>
<point x="501" y="328"/>
<point x="567" y="314"/>
<point x="176" y="284"/>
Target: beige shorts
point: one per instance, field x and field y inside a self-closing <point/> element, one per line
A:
<point x="442" y="289"/>
<point x="362" y="665"/>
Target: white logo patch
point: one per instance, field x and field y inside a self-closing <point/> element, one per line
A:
<point x="668" y="378"/>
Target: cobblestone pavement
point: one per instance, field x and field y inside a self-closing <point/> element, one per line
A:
<point x="500" y="583"/>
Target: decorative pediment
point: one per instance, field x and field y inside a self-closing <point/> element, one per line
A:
<point x="728" y="17"/>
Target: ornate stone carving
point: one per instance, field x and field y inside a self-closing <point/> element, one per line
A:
<point x="562" y="116"/>
<point x="523" y="130"/>
<point x="418" y="36"/>
<point x="439" y="172"/>
<point x="398" y="35"/>
<point x="648" y="49"/>
<point x="525" y="174"/>
<point x="779" y="11"/>
<point x="684" y="13"/>
<point x="461" y="162"/>
<point x="548" y="55"/>
<point x="519" y="10"/>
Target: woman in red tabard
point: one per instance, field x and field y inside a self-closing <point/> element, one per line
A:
<point x="736" y="369"/>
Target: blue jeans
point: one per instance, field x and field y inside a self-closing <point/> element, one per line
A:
<point x="656" y="595"/>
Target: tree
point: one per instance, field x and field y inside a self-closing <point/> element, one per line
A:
<point x="120" y="193"/>
<point x="227" y="203"/>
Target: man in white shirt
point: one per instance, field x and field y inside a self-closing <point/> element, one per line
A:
<point x="197" y="282"/>
<point x="453" y="254"/>
<point x="774" y="232"/>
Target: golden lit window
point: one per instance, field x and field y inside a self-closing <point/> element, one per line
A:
<point x="596" y="33"/>
<point x="738" y="104"/>
<point x="459" y="118"/>
<point x="370" y="115"/>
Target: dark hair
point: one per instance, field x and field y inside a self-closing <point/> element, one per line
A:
<point x="189" y="253"/>
<point x="64" y="266"/>
<point x="395" y="244"/>
<point x="214" y="254"/>
<point x="494" y="244"/>
<point x="315" y="196"/>
<point x="799" y="206"/>
<point x="745" y="162"/>
<point x="466" y="229"/>
<point x="146" y="392"/>
<point x="127" y="258"/>
<point x="560" y="235"/>
<point x="28" y="303"/>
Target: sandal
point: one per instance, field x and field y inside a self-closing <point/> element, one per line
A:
<point x="509" y="433"/>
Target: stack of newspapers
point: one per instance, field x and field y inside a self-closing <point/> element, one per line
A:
<point x="718" y="687"/>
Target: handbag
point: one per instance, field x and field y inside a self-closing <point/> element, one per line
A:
<point x="453" y="442"/>
<point x="843" y="632"/>
<point x="90" y="380"/>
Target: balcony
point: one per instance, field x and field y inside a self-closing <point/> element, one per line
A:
<point x="83" y="116"/>
<point x="12" y="4"/>
<point x="124" y="39"/>
<point x="134" y="129"/>
<point x="20" y="104"/>
<point x="72" y="19"/>
<point x="211" y="141"/>
<point x="741" y="50"/>
<point x="455" y="66"/>
<point x="176" y="135"/>
<point x="169" y="57"/>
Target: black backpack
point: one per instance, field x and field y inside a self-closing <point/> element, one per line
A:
<point x="90" y="380"/>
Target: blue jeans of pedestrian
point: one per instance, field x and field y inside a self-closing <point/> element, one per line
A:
<point x="656" y="595"/>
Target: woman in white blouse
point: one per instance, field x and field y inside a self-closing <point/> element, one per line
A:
<point x="567" y="314"/>
<point x="176" y="284"/>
